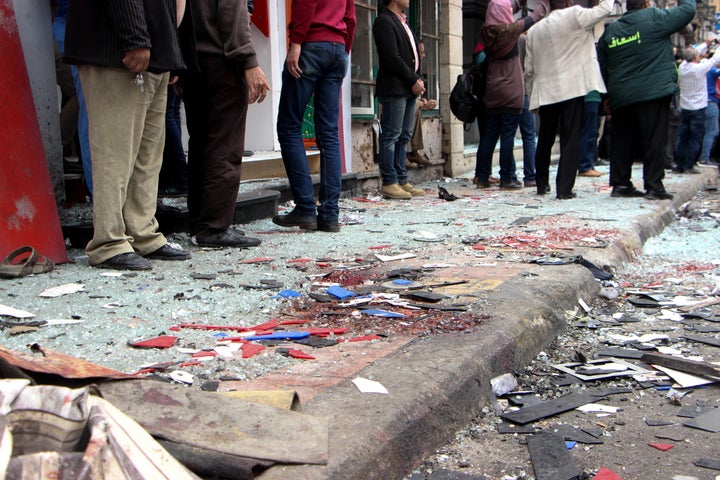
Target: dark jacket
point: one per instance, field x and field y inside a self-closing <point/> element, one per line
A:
<point x="396" y="70"/>
<point x="222" y="28"/>
<point x="636" y="57"/>
<point x="100" y="32"/>
<point x="505" y="88"/>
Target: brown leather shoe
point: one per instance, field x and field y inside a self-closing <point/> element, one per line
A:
<point x="591" y="173"/>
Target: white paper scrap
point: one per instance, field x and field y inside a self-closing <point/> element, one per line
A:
<point x="14" y="312"/>
<point x="390" y="258"/>
<point x="596" y="407"/>
<point x="60" y="290"/>
<point x="182" y="377"/>
<point x="369" y="386"/>
<point x="62" y="321"/>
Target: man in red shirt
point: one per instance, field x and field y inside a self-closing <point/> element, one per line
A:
<point x="321" y="35"/>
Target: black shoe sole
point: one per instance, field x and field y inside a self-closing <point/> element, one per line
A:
<point x="283" y="222"/>
<point x="627" y="194"/>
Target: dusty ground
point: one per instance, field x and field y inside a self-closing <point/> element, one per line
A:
<point x="682" y="262"/>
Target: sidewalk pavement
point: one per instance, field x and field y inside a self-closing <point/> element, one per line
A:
<point x="438" y="383"/>
<point x="481" y="248"/>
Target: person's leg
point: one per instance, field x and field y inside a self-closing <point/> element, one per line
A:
<point x="529" y="141"/>
<point x="408" y="123"/>
<point x="624" y="136"/>
<point x="549" y="119"/>
<point x="697" y="125"/>
<point x="294" y="97"/>
<point x="116" y="109"/>
<point x="682" y="154"/>
<point x="652" y="123"/>
<point x="213" y="201"/>
<point x="488" y="141"/>
<point x="508" y="127"/>
<point x="391" y="124"/>
<point x="327" y="111"/>
<point x="711" y="131"/>
<point x="83" y="131"/>
<point x="570" y="127"/>
<point x="173" y="173"/>
<point x="588" y="137"/>
<point x="141" y="202"/>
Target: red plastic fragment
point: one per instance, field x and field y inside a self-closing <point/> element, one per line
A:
<point x="662" y="446"/>
<point x="163" y="341"/>
<point x="194" y="363"/>
<point x="364" y="338"/>
<point x="477" y="246"/>
<point x="204" y="354"/>
<point x="251" y="349"/>
<point x="606" y="474"/>
<point x="264" y="326"/>
<point x="256" y="260"/>
<point x="324" y="332"/>
<point x="294" y="353"/>
<point x="379" y="247"/>
<point x="300" y="260"/>
<point x="293" y="322"/>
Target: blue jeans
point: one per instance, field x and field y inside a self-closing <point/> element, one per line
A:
<point x="58" y="29"/>
<point x="588" y="137"/>
<point x="396" y="127"/>
<point x="711" y="129"/>
<point x="323" y="65"/>
<point x="502" y="126"/>
<point x="174" y="171"/>
<point x="529" y="141"/>
<point x="689" y="138"/>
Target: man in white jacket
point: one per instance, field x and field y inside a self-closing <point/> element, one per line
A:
<point x="560" y="69"/>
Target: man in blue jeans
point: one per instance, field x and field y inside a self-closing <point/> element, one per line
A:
<point x="398" y="85"/>
<point x="693" y="103"/>
<point x="321" y="37"/>
<point x="711" y="115"/>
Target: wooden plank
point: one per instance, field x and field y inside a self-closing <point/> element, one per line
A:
<point x="682" y="364"/>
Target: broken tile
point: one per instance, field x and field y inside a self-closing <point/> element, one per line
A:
<point x="550" y="457"/>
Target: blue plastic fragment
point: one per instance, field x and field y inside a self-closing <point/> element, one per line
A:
<point x="662" y="387"/>
<point x="220" y="334"/>
<point x="339" y="292"/>
<point x="402" y="281"/>
<point x="569" y="444"/>
<point x="382" y="313"/>
<point x="289" y="294"/>
<point x="280" y="336"/>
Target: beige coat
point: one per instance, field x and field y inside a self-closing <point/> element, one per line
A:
<point x="561" y="60"/>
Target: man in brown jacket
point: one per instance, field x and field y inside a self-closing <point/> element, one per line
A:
<point x="216" y="102"/>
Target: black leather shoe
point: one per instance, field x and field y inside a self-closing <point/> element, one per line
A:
<point x="126" y="261"/>
<point x="543" y="189"/>
<point x="227" y="238"/>
<point x="168" y="252"/>
<point x="293" y="219"/>
<point x="510" y="185"/>
<point x="325" y="226"/>
<point x="566" y="196"/>
<point x="627" y="192"/>
<point x="658" y="195"/>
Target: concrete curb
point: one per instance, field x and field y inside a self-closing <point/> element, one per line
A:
<point x="438" y="383"/>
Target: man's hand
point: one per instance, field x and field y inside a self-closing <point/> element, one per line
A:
<point x="292" y="59"/>
<point x="137" y="60"/>
<point x="257" y="84"/>
<point x="418" y="87"/>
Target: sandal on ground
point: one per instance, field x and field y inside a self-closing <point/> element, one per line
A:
<point x="23" y="262"/>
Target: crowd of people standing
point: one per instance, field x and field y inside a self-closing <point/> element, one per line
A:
<point x="550" y="61"/>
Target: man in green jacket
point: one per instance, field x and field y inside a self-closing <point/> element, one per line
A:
<point x="636" y="60"/>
